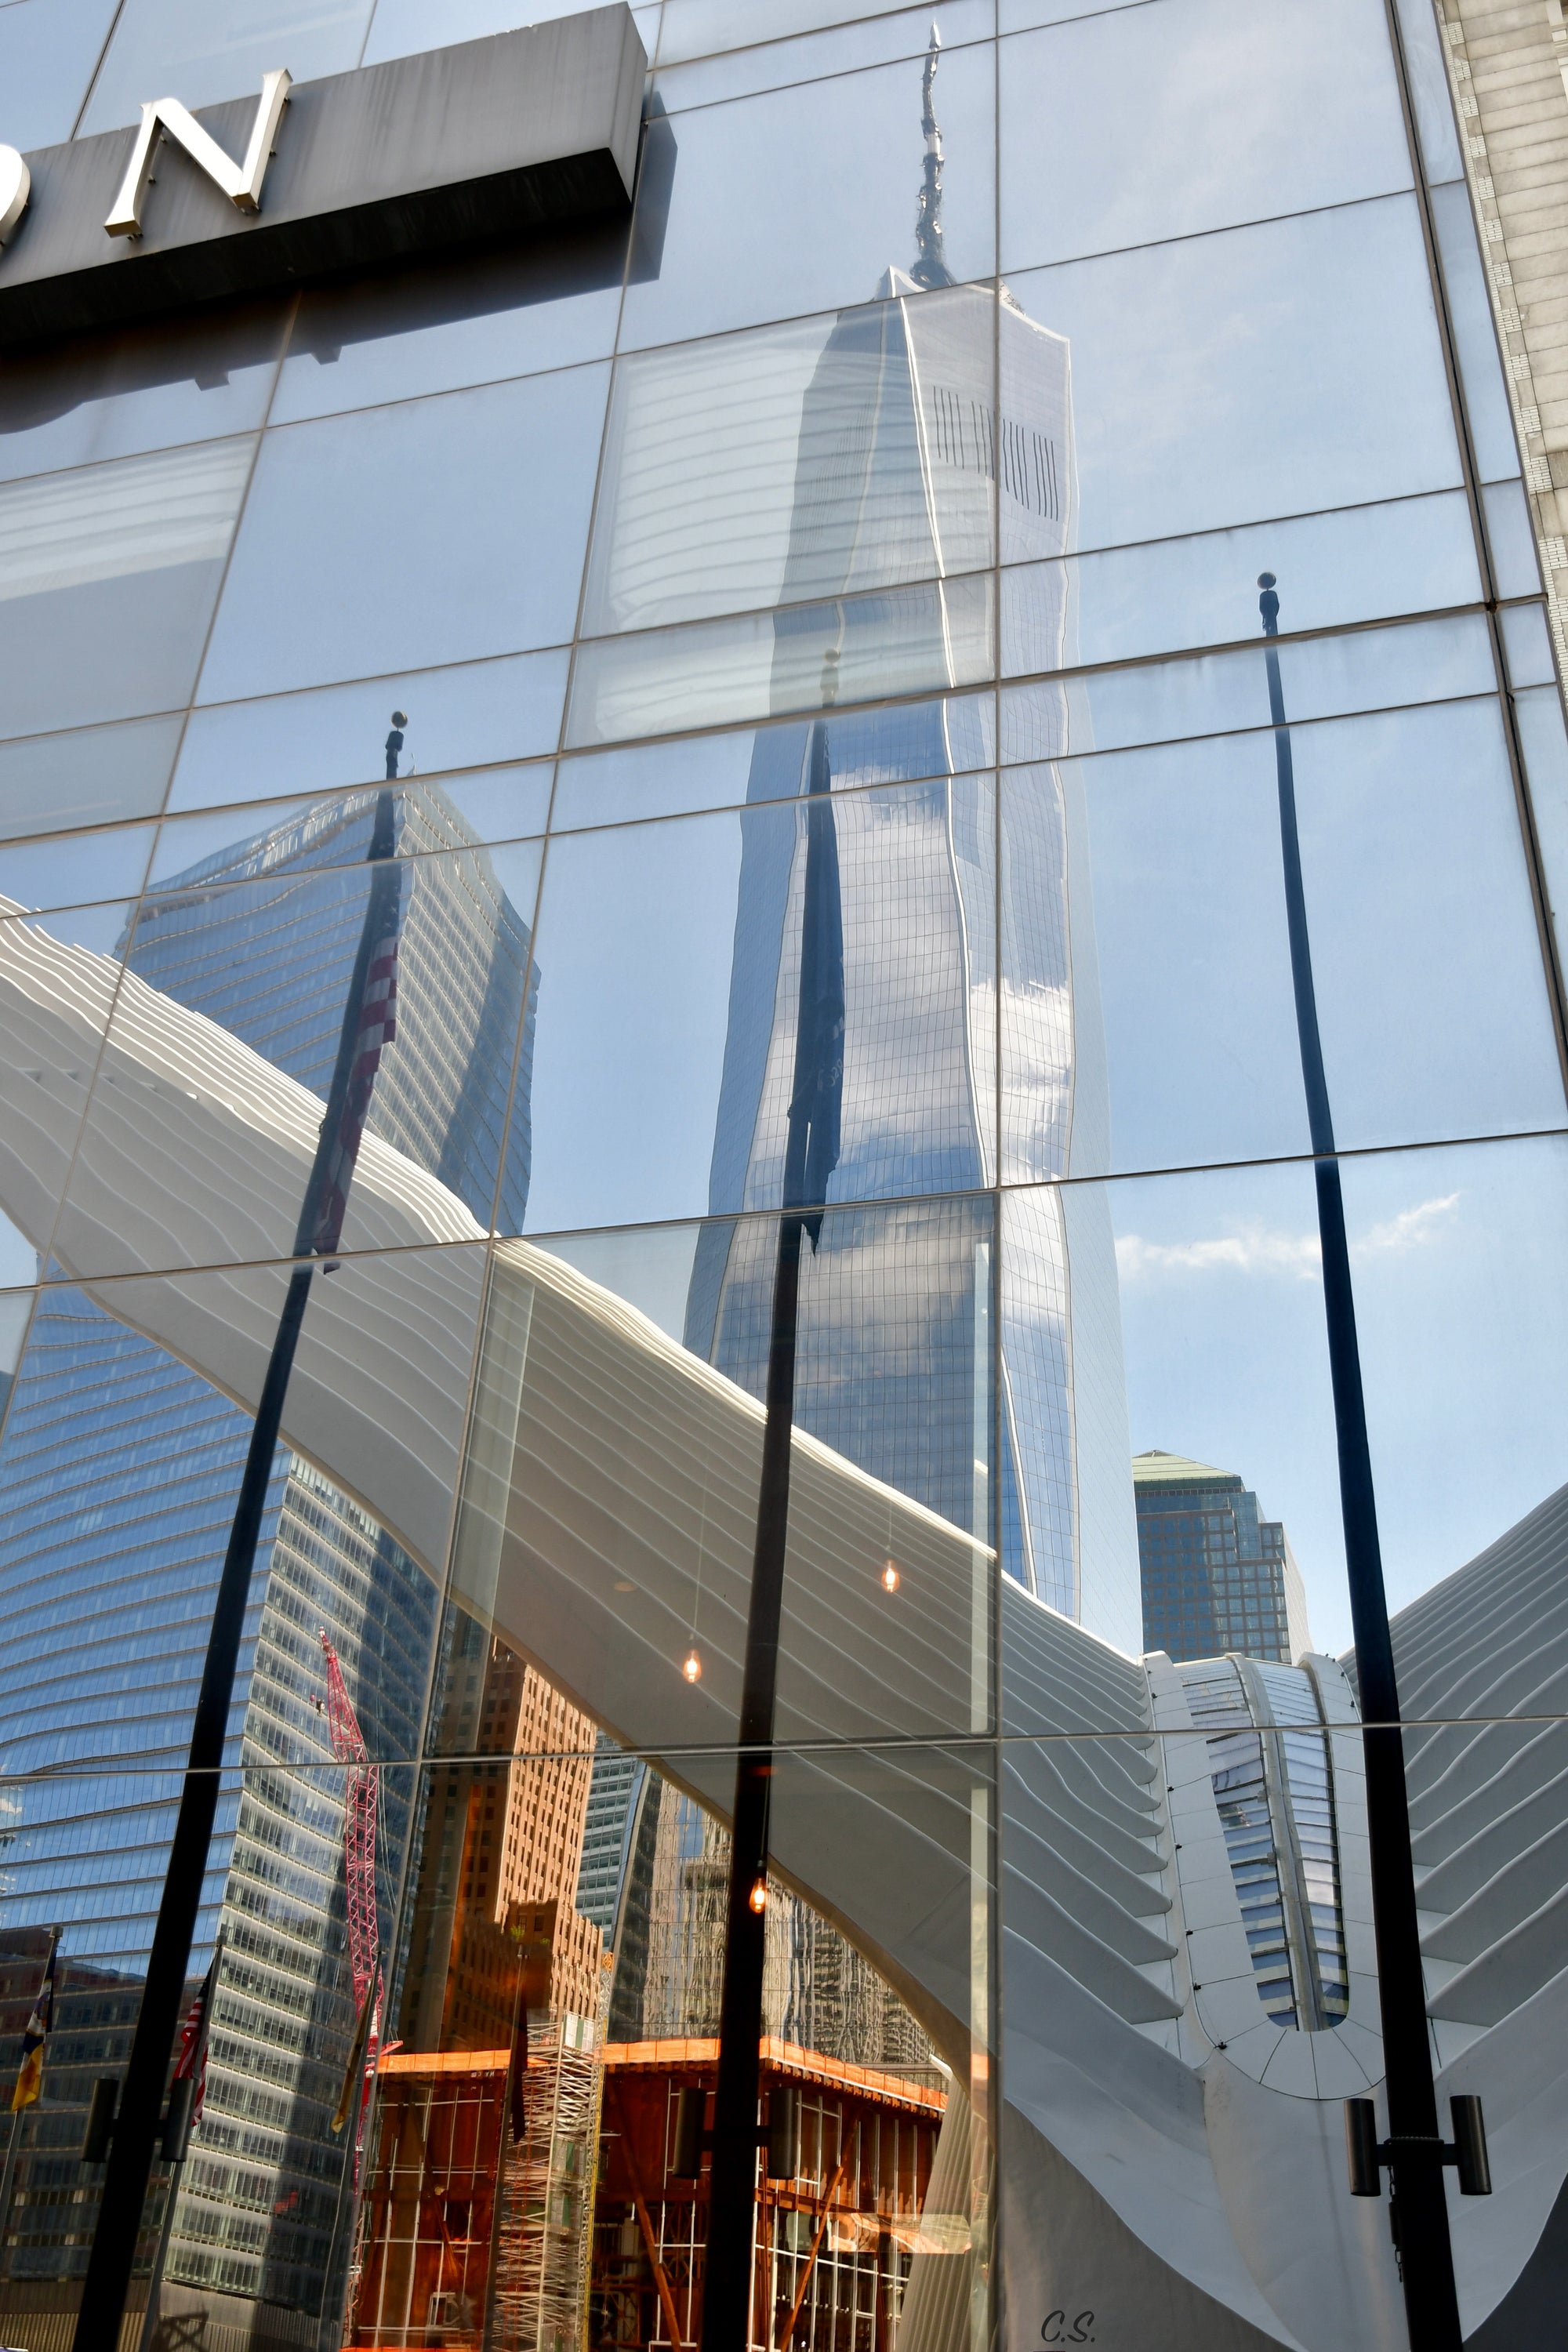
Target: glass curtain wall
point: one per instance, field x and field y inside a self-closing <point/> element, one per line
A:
<point x="860" y="880"/>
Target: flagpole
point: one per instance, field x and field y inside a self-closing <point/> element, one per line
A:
<point x="192" y="2065"/>
<point x="135" y="2129"/>
<point x="7" y="2179"/>
<point x="1419" y="2208"/>
<point x="155" y="2285"/>
<point x="14" y="2144"/>
<point x="811" y="1154"/>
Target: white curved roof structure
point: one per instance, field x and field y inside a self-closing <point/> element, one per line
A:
<point x="1173" y="2141"/>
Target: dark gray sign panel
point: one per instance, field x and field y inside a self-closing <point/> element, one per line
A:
<point x="488" y="141"/>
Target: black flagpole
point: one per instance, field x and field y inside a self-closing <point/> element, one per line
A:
<point x="1420" y="2207"/>
<point x="811" y="1154"/>
<point x="136" y="2121"/>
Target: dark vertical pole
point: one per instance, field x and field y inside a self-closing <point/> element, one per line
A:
<point x="727" y="2286"/>
<point x="810" y="1154"/>
<point x="1420" y="2207"/>
<point x="136" y="2123"/>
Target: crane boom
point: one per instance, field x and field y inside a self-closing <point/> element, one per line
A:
<point x="359" y="1833"/>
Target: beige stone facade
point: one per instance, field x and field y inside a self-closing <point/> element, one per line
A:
<point x="1508" y="63"/>
<point x="540" y="1846"/>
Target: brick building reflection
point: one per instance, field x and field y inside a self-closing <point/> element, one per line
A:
<point x="539" y="2168"/>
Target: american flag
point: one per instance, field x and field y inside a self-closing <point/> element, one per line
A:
<point x="193" y="2053"/>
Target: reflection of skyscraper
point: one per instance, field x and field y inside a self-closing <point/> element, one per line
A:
<point x="818" y="1992"/>
<point x="929" y="414"/>
<point x="1217" y="1577"/>
<point x="104" y="1603"/>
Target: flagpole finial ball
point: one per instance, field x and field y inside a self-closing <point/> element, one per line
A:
<point x="400" y="718"/>
<point x="1266" y="580"/>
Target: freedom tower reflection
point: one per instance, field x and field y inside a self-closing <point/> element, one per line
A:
<point x="851" y="475"/>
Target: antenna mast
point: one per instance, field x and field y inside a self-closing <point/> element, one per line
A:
<point x="930" y="269"/>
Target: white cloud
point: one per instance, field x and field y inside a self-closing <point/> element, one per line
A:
<point x="1408" y="1230"/>
<point x="1255" y="1249"/>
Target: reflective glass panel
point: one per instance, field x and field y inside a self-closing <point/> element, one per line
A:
<point x="834" y="454"/>
<point x="431" y="532"/>
<point x="75" y="546"/>
<point x="1191" y="115"/>
<point x="1430" y="102"/>
<point x="719" y="770"/>
<point x="620" y="1533"/>
<point x="716" y="673"/>
<point x="469" y="716"/>
<point x="126" y="1398"/>
<point x="403" y="27"/>
<point x="473" y="319"/>
<point x="1362" y="563"/>
<point x="178" y="44"/>
<point x="48" y="782"/>
<point x="59" y="981"/>
<point x="1319" y="676"/>
<point x="753" y="233"/>
<point x="1475" y="333"/>
<point x="76" y="868"/>
<point x="308" y="1051"/>
<point x="730" y="72"/>
<point x="1299" y="366"/>
<point x="565" y="1953"/>
<point x="91" y="1850"/>
<point x="669" y="1056"/>
<point x="49" y="50"/>
<point x="499" y="803"/>
<point x="112" y="395"/>
<point x="1539" y="715"/>
<point x="1515" y="564"/>
<point x="1171" y="921"/>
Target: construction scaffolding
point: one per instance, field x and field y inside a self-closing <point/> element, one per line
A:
<point x="848" y="2234"/>
<point x="544" y="2240"/>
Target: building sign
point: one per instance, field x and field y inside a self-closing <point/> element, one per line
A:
<point x="486" y="141"/>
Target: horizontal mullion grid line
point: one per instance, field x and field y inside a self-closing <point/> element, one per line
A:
<point x="878" y="1202"/>
<point x="1016" y="564"/>
<point x="155" y="890"/>
<point x="1053" y="677"/>
<point x="293" y="423"/>
<point x="937" y="1744"/>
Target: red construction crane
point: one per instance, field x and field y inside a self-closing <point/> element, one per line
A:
<point x="359" y="1840"/>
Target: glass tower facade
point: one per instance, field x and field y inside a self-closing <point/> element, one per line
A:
<point x="1216" y="1575"/>
<point x="109" y="1437"/>
<point x="776" y="905"/>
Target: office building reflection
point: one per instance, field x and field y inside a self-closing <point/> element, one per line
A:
<point x="1068" y="1923"/>
<point x="139" y="1456"/>
<point x="1217" y="1576"/>
<point x="540" y="2163"/>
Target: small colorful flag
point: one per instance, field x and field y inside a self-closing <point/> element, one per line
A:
<point x="30" y="2081"/>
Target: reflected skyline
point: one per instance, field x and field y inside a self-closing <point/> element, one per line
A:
<point x="147" y="1454"/>
<point x="923" y="440"/>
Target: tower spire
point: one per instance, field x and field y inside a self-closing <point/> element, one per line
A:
<point x="930" y="269"/>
